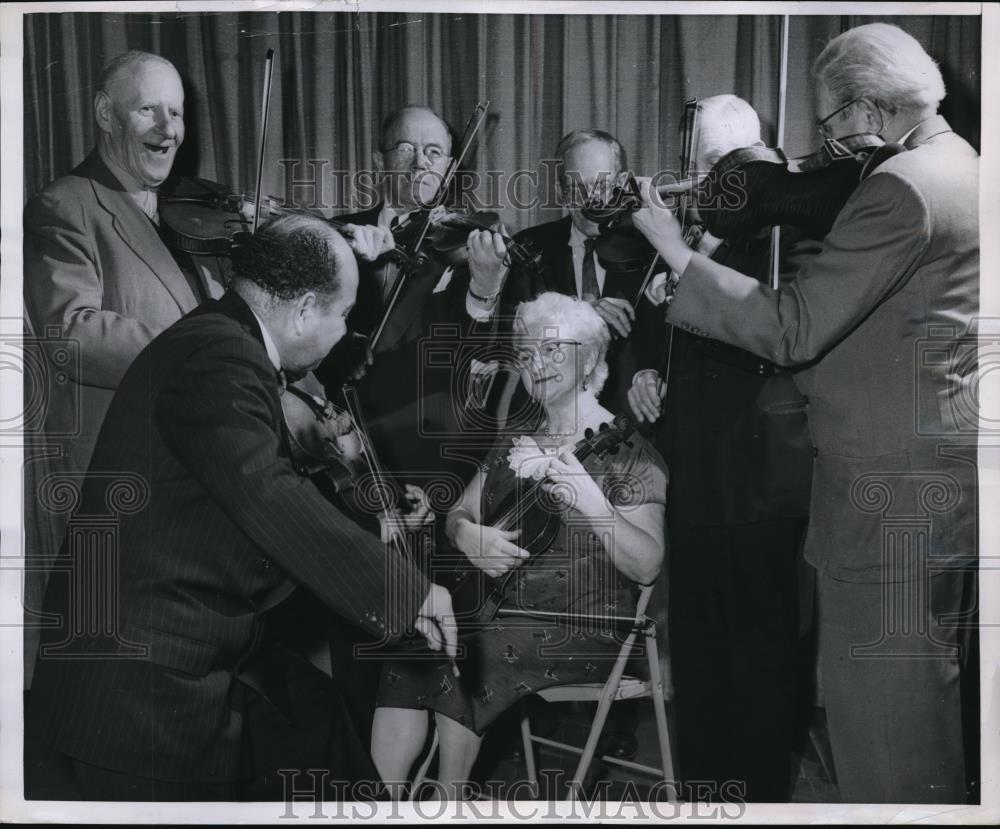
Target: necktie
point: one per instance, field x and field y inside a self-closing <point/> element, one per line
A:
<point x="590" y="288"/>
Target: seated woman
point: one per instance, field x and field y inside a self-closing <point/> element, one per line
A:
<point x="608" y="539"/>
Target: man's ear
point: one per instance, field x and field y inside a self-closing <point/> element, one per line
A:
<point x="873" y="117"/>
<point x="103" y="111"/>
<point x="304" y="308"/>
<point x="378" y="161"/>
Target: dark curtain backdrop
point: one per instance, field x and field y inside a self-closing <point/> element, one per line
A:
<point x="338" y="73"/>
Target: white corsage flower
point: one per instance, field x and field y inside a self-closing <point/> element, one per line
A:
<point x="528" y="459"/>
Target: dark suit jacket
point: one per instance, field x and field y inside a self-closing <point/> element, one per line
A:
<point x="193" y="510"/>
<point x="414" y="394"/>
<point x="733" y="432"/>
<point x="551" y="241"/>
<point x="880" y="315"/>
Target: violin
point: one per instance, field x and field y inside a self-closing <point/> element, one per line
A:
<point x="477" y="597"/>
<point x="322" y="436"/>
<point x="752" y="188"/>
<point x="449" y="231"/>
<point x="205" y="218"/>
<point x="756" y="187"/>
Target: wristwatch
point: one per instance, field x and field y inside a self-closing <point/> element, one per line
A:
<point x="489" y="299"/>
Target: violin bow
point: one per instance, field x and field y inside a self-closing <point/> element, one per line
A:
<point x="265" y="109"/>
<point x="471" y="128"/>
<point x="689" y="143"/>
<point x="775" y="260"/>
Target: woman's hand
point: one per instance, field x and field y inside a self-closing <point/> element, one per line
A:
<point x="657" y="223"/>
<point x="572" y="487"/>
<point x="489" y="549"/>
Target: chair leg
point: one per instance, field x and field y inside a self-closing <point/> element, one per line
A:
<point x="421" y="774"/>
<point x="659" y="709"/>
<point x="597" y="727"/>
<point x="529" y="751"/>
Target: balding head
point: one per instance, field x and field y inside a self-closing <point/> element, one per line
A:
<point x="300" y="277"/>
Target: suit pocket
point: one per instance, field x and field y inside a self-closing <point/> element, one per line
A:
<point x="170" y="650"/>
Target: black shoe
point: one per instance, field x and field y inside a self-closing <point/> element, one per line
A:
<point x="622" y="745"/>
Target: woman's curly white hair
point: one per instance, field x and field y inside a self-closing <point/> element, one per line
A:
<point x="558" y="316"/>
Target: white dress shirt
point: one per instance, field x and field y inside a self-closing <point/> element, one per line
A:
<point x="272" y="349"/>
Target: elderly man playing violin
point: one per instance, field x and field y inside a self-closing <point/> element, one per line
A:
<point x="895" y="567"/>
<point x="415" y="153"/>
<point x="414" y="411"/>
<point x="99" y="283"/>
<point x="733" y="431"/>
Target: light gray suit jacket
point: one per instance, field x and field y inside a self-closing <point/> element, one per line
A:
<point x="884" y="315"/>
<point x="98" y="277"/>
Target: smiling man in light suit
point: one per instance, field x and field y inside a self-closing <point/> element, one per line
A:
<point x="98" y="276"/>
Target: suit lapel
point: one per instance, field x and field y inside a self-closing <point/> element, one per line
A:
<point x="137" y="232"/>
<point x="408" y="310"/>
<point x="561" y="256"/>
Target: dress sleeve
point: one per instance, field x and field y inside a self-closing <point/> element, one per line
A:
<point x="636" y="477"/>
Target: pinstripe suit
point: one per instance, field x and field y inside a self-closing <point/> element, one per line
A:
<point x="224" y="532"/>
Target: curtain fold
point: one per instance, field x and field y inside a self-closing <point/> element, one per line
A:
<point x="338" y="73"/>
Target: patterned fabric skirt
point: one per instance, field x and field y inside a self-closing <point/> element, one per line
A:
<point x="509" y="658"/>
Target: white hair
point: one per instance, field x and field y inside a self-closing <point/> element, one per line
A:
<point x="725" y="123"/>
<point x="566" y="317"/>
<point x="883" y="63"/>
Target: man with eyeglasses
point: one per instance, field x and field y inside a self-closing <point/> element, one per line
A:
<point x="590" y="163"/>
<point x="412" y="160"/>
<point x="891" y="422"/>
<point x="413" y="410"/>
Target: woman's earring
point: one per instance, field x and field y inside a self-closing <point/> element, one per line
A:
<point x="586" y="385"/>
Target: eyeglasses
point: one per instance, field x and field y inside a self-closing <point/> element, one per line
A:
<point x="821" y="124"/>
<point x="406" y="149"/>
<point x="550" y="351"/>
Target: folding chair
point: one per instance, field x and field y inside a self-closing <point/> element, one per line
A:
<point x="617" y="687"/>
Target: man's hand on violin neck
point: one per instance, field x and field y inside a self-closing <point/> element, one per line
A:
<point x="369" y="242"/>
<point x="487" y="258"/>
<point x="617" y="313"/>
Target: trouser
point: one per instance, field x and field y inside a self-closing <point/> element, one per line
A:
<point x="892" y="685"/>
<point x="51" y="775"/>
<point x="734" y="636"/>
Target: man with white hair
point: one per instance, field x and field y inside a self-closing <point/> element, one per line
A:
<point x="733" y="432"/>
<point x="893" y="505"/>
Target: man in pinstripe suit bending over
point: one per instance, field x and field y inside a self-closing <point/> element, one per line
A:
<point x="191" y="523"/>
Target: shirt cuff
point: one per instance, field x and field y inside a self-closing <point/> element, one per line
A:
<point x="479" y="311"/>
